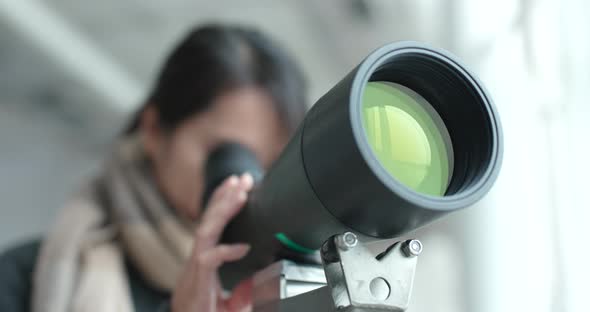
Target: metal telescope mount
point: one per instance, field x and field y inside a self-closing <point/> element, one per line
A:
<point x="351" y="279"/>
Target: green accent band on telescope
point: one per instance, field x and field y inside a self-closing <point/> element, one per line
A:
<point x="293" y="245"/>
<point x="408" y="137"/>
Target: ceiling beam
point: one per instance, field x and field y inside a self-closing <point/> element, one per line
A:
<point x="72" y="51"/>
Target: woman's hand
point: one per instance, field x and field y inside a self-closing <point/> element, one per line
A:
<point x="199" y="289"/>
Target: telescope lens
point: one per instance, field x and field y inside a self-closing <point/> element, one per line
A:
<point x="408" y="137"/>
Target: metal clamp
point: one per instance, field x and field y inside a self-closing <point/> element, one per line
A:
<point x="357" y="279"/>
<point x="361" y="281"/>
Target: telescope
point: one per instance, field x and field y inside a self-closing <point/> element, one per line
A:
<point x="408" y="136"/>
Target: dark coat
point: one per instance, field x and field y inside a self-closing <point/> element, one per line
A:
<point x="16" y="272"/>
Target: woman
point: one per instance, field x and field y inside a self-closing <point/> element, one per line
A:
<point x="136" y="238"/>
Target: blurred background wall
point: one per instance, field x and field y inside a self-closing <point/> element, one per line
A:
<point x="71" y="72"/>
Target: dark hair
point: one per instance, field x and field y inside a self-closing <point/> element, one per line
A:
<point x="216" y="58"/>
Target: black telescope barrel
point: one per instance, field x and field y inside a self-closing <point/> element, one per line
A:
<point x="328" y="180"/>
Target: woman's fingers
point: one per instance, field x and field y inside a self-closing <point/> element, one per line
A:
<point x="226" y="202"/>
<point x="195" y="290"/>
<point x="223" y="187"/>
<point x="247" y="181"/>
<point x="198" y="288"/>
<point x="217" y="216"/>
<point x="241" y="297"/>
<point x="213" y="258"/>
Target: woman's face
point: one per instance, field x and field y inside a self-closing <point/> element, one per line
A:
<point x="244" y="116"/>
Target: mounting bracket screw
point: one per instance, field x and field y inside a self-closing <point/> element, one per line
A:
<point x="412" y="248"/>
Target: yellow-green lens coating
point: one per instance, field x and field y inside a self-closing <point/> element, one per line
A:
<point x="408" y="137"/>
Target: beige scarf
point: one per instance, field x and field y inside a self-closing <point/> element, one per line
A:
<point x="81" y="266"/>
